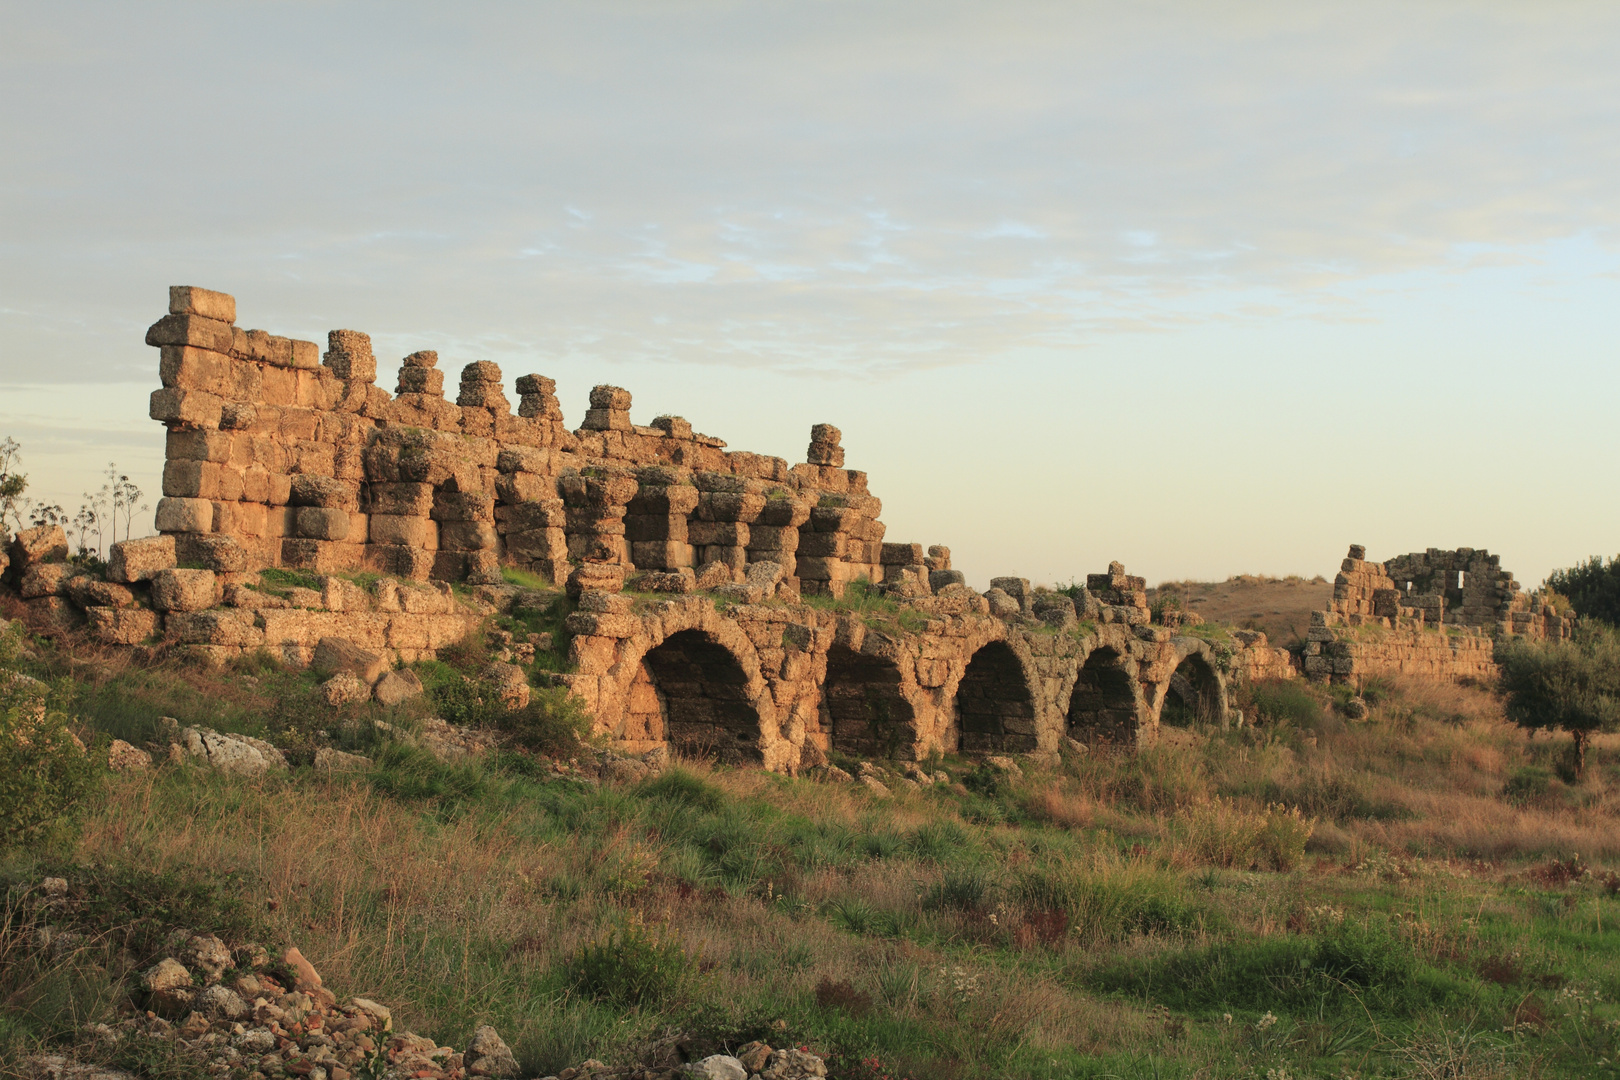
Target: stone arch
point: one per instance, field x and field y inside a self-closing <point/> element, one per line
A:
<point x="1195" y="694"/>
<point x="704" y="698"/>
<point x="1105" y="704"/>
<point x="863" y="707"/>
<point x="995" y="711"/>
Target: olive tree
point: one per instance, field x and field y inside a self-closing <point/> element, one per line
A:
<point x="1573" y="685"/>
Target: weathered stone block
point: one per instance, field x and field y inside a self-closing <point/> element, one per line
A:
<point x="185" y="590"/>
<point x="195" y="407"/>
<point x="326" y="491"/>
<point x="467" y="536"/>
<point x="205" y="303"/>
<point x="419" y="532"/>
<point x="421" y="380"/>
<point x="213" y="334"/>
<point x="185" y="515"/>
<point x="46" y="579"/>
<point x="121" y="626"/>
<point x="140" y="560"/>
<point x="322" y="523"/>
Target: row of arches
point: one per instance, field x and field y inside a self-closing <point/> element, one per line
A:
<point x="695" y="693"/>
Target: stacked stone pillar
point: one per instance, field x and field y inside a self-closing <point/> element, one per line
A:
<point x="595" y="504"/>
<point x="773" y="536"/>
<point x="720" y="526"/>
<point x="657" y="519"/>
<point x="1122" y="597"/>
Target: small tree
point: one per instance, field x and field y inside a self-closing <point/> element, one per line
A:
<point x="12" y="484"/>
<point x="1570" y="685"/>
<point x="1593" y="588"/>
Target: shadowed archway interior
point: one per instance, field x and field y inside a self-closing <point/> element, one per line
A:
<point x="995" y="712"/>
<point x="1102" y="709"/>
<point x="1194" y="695"/>
<point x="862" y="709"/>
<point x="702" y="694"/>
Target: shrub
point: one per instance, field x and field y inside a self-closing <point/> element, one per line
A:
<point x="986" y="780"/>
<point x="1528" y="786"/>
<point x="554" y="722"/>
<point x="963" y="888"/>
<point x="631" y="965"/>
<point x="1286" y="701"/>
<point x="685" y="788"/>
<point x="45" y="772"/>
<point x="1108" y="901"/>
<point x="1593" y="588"/>
<point x="1573" y="685"/>
<point x="1221" y="833"/>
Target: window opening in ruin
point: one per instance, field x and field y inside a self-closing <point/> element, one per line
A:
<point x="1102" y="709"/>
<point x="1459" y="579"/>
<point x="702" y="694"/>
<point x="862" y="709"/>
<point x="995" y="712"/>
<point x="1194" y="695"/>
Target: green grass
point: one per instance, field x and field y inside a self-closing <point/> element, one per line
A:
<point x="1095" y="917"/>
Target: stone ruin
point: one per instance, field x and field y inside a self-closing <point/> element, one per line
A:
<point x="704" y="582"/>
<point x="1434" y="614"/>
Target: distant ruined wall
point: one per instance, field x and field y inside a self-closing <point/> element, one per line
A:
<point x="1433" y="615"/>
<point x="688" y="566"/>
<point x="281" y="456"/>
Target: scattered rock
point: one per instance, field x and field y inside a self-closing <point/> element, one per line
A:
<point x="875" y="786"/>
<point x="140" y="560"/>
<point x="232" y="753"/>
<point x="221" y="1001"/>
<point x="308" y="977"/>
<point x="1004" y="764"/>
<point x="122" y="757"/>
<point x="54" y="887"/>
<point x="329" y="760"/>
<point x="793" y="1064"/>
<point x="717" y="1067"/>
<point x="753" y="1056"/>
<point x="166" y="974"/>
<point x="1355" y="709"/>
<point x="487" y="1055"/>
<point x="335" y="654"/>
<point x="397" y="687"/>
<point x="185" y="590"/>
<point x="208" y="955"/>
<point x="508" y="682"/>
<point x="345" y="688"/>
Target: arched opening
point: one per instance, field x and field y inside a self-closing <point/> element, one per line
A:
<point x="702" y="696"/>
<point x="1102" y="709"/>
<point x="862" y="710"/>
<point x="994" y="710"/>
<point x="1193" y="696"/>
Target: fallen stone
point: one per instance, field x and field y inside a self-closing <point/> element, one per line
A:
<point x="335" y="654"/>
<point x="222" y="1001"/>
<point x="166" y="974"/>
<point x="793" y="1064"/>
<point x="207" y="954"/>
<point x="122" y="757"/>
<point x="874" y="785"/>
<point x="344" y="688"/>
<point x="397" y="687"/>
<point x="240" y="754"/>
<point x="717" y="1067"/>
<point x="1004" y="764"/>
<point x="329" y="760"/>
<point x="43" y="544"/>
<point x="308" y="977"/>
<point x="508" y="683"/>
<point x="488" y="1055"/>
<point x="753" y="1056"/>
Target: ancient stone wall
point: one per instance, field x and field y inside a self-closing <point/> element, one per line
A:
<point x="281" y="456"/>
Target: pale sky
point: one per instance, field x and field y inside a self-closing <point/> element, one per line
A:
<point x="1206" y="288"/>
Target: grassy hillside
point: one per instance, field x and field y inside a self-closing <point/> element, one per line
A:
<point x="1418" y="894"/>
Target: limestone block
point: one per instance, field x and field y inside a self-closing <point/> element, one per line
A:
<point x="418" y="532"/>
<point x="324" y="491"/>
<point x="828" y="545"/>
<point x="602" y="577"/>
<point x="234" y="627"/>
<point x="483" y="396"/>
<point x="728" y="533"/>
<point x="185" y="516"/>
<point x="729" y="506"/>
<point x="449" y="565"/>
<point x="213" y="334"/>
<point x="462" y="506"/>
<point x="41" y="544"/>
<point x="183" y="367"/>
<point x="337" y="654"/>
<point x="202" y="480"/>
<point x="46" y="579"/>
<point x="523" y="517"/>
<point x="902" y="554"/>
<point x="185" y="590"/>
<point x="201" y="444"/>
<point x="525" y="487"/>
<point x="87" y="591"/>
<point x="195" y="407"/>
<point x="191" y="300"/>
<point x="397" y="687"/>
<point x="322" y="523"/>
<point x="140" y="560"/>
<point x="400" y="499"/>
<point x="602" y="624"/>
<point x="467" y="536"/>
<point x="231" y="753"/>
<point x="322" y="556"/>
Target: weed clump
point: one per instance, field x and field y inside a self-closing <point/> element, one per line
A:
<point x="631" y="965"/>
